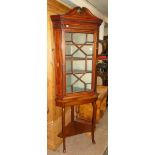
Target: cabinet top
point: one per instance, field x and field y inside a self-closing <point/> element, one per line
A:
<point x="78" y="14"/>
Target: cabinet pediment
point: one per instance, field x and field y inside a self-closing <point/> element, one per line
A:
<point x="78" y="14"/>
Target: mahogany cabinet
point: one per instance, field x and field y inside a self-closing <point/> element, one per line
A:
<point x="76" y="41"/>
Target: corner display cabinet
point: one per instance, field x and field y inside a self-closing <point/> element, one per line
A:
<point x="76" y="42"/>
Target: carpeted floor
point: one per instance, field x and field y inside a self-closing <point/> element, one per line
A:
<point x="82" y="145"/>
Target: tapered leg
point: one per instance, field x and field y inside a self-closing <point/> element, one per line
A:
<point x="77" y="111"/>
<point x="63" y="129"/>
<point x="93" y="121"/>
<point x="72" y="113"/>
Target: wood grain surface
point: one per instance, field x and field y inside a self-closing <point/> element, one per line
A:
<point x="54" y="113"/>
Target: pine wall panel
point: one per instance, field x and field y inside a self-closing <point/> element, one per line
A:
<point x="54" y="113"/>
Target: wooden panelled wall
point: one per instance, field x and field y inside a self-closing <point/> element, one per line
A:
<point x="54" y="113"/>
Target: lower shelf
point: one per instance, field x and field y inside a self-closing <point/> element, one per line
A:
<point x="76" y="127"/>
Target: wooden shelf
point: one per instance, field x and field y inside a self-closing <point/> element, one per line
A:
<point x="76" y="127"/>
<point x="77" y="89"/>
<point x="75" y="44"/>
<point x="78" y="58"/>
<point x="79" y="72"/>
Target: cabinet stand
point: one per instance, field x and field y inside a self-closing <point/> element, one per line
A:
<point x="77" y="126"/>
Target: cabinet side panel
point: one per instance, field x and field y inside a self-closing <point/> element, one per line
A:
<point x="58" y="62"/>
<point x="95" y="59"/>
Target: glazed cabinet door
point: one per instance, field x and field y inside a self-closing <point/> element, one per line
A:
<point x="79" y="57"/>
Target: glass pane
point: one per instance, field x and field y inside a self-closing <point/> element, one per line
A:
<point x="79" y="75"/>
<point x="68" y="66"/>
<point x="68" y="37"/>
<point x="89" y="65"/>
<point x="90" y="37"/>
<point x="78" y="86"/>
<point x="68" y="57"/>
<point x="70" y="79"/>
<point x="87" y="78"/>
<point x="68" y="89"/>
<point x="79" y="54"/>
<point x="89" y="57"/>
<point x="70" y="49"/>
<point x="79" y="38"/>
<point x="88" y="87"/>
<point x="78" y="65"/>
<point x="88" y="49"/>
